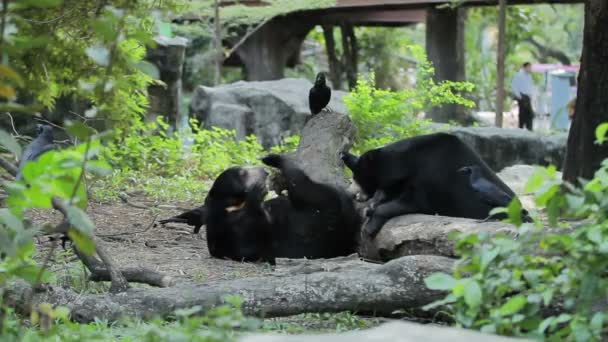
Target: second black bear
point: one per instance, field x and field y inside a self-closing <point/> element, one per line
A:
<point x="314" y="220"/>
<point x="421" y="175"/>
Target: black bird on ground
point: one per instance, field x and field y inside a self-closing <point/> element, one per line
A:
<point x="43" y="143"/>
<point x="195" y="217"/>
<point x="488" y="191"/>
<point x="319" y="95"/>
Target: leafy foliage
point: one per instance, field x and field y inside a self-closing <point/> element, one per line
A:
<point x="547" y="282"/>
<point x="176" y="166"/>
<point x="556" y="26"/>
<point x="382" y="116"/>
<point x="91" y="49"/>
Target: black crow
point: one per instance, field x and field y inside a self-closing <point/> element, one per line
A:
<point x="319" y="95"/>
<point x="43" y="143"/>
<point x="488" y="191"/>
<point x="195" y="217"/>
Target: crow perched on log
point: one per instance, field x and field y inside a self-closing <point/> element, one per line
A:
<point x="319" y="95"/>
<point x="195" y="217"/>
<point x="43" y="143"/>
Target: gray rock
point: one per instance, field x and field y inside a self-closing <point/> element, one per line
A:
<point x="394" y="332"/>
<point x="502" y="147"/>
<point x="272" y="110"/>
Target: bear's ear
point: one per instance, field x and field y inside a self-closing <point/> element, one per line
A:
<point x="235" y="207"/>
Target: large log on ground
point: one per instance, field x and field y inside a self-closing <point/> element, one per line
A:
<point x="419" y="234"/>
<point x="360" y="287"/>
<point x="394" y="332"/>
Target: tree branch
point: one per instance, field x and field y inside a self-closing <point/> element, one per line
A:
<point x="8" y="166"/>
<point x="546" y="51"/>
<point x="355" y="286"/>
<point x="105" y="269"/>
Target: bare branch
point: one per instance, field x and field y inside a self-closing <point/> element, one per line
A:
<point x="8" y="166"/>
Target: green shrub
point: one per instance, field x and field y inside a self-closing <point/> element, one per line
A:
<point x="382" y="116"/>
<point x="545" y="283"/>
<point x="176" y="166"/>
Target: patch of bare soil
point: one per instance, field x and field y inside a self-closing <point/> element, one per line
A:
<point x="134" y="239"/>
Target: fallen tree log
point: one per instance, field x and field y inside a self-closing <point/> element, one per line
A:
<point x="418" y="234"/>
<point x="361" y="287"/>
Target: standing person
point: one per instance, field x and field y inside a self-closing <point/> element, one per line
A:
<point x="522" y="87"/>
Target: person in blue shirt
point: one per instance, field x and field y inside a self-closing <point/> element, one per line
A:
<point x="522" y="88"/>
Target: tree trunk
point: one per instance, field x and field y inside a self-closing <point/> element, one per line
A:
<point x="583" y="156"/>
<point x="500" y="62"/>
<point x="335" y="67"/>
<point x="266" y="51"/>
<point x="351" y="285"/>
<point x="445" y="49"/>
<point x="349" y="46"/>
<point x="217" y="40"/>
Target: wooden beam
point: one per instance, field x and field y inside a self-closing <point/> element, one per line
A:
<point x="426" y="3"/>
<point x="374" y="17"/>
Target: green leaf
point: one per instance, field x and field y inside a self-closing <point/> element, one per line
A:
<point x="447" y="300"/>
<point x="80" y="220"/>
<point x="188" y="312"/>
<point x="513" y="305"/>
<point x="580" y="331"/>
<point x="600" y="133"/>
<point x="29" y="273"/>
<point x="10" y="143"/>
<point x="440" y="281"/>
<point x="99" y="54"/>
<point x="79" y="130"/>
<point x="487" y="256"/>
<point x="595" y="234"/>
<point x="10" y="220"/>
<point x="83" y="242"/>
<point x="597" y="322"/>
<point x="514" y="211"/>
<point x="472" y="294"/>
<point x="535" y="181"/>
<point x="148" y="68"/>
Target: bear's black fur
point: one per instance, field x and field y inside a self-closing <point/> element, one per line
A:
<point x="420" y="175"/>
<point x="314" y="220"/>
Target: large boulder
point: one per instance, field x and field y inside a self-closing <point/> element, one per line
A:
<point x="272" y="110"/>
<point x="394" y="331"/>
<point x="502" y="147"/>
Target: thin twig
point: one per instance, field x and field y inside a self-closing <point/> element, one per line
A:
<point x="13" y="124"/>
<point x="50" y="20"/>
<point x="125" y="199"/>
<point x="49" y="123"/>
<point x="245" y="37"/>
<point x="131" y="233"/>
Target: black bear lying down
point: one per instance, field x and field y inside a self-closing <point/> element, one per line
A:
<point x="428" y="174"/>
<point x="314" y="220"/>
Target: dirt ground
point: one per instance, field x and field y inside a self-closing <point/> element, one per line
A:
<point x="133" y="238"/>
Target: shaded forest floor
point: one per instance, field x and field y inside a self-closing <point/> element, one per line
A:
<point x="134" y="239"/>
